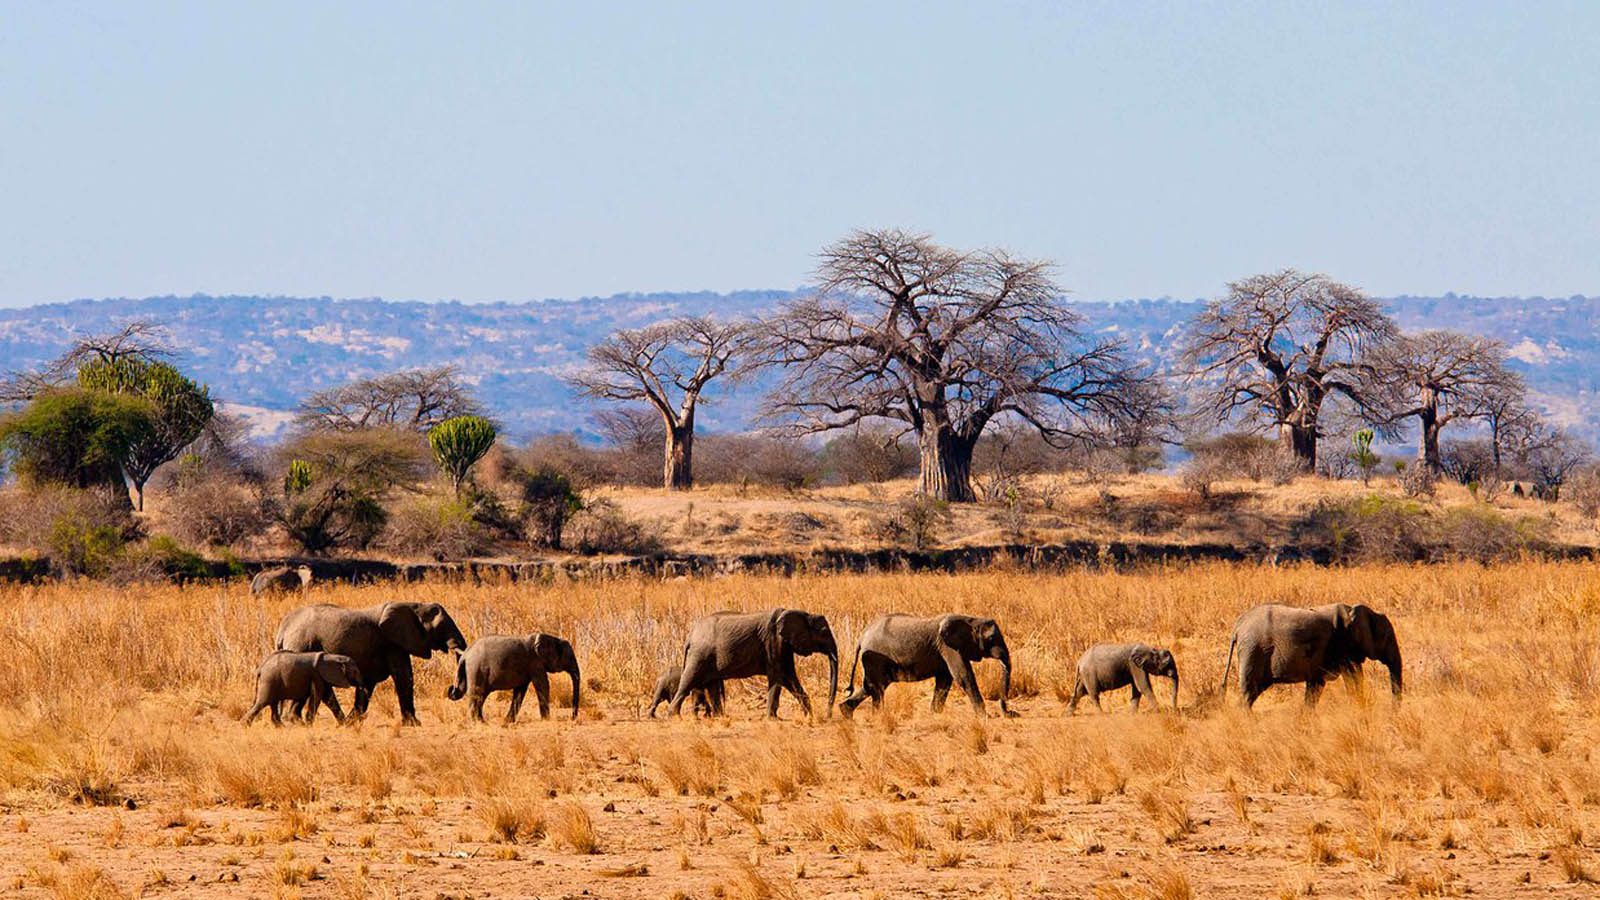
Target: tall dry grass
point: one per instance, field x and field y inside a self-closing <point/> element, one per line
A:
<point x="109" y="694"/>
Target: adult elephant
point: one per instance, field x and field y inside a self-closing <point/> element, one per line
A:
<point x="1290" y="645"/>
<point x="728" y="645"/>
<point x="381" y="639"/>
<point x="898" y="647"/>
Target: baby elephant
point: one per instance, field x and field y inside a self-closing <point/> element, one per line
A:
<point x="286" y="676"/>
<point x="1107" y="667"/>
<point x="507" y="663"/>
<point x="707" y="702"/>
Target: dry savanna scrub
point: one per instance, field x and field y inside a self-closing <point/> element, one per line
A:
<point x="125" y="771"/>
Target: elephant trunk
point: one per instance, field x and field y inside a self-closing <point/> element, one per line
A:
<point x="459" y="689"/>
<point x="1174" y="689"/>
<point x="1392" y="662"/>
<point x="1004" y="656"/>
<point x="833" y="682"/>
<point x="576" y="682"/>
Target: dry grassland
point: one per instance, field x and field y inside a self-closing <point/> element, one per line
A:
<point x="125" y="773"/>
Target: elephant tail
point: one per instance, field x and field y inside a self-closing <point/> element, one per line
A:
<point x="459" y="689"/>
<point x="1222" y="691"/>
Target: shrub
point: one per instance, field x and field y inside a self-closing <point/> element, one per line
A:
<point x="160" y="558"/>
<point x="583" y="466"/>
<point x="83" y="531"/>
<point x="1416" y="481"/>
<point x="214" y="509"/>
<point x="868" y="456"/>
<point x="548" y="503"/>
<point x="76" y="437"/>
<point x="1382" y="529"/>
<point x="334" y="484"/>
<point x="1583" y="489"/>
<point x="916" y="522"/>
<point x="601" y="527"/>
<point x="443" y="528"/>
<point x="746" y="459"/>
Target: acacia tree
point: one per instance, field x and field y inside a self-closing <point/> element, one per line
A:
<point x="668" y="366"/>
<point x="943" y="341"/>
<point x="1439" y="377"/>
<point x="1278" y="346"/>
<point x="414" y="399"/>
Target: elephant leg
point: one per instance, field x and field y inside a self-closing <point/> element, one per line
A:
<point x="698" y="671"/>
<point x="941" y="690"/>
<point x="541" y="692"/>
<point x="1313" y="691"/>
<point x="516" y="704"/>
<point x="254" y="711"/>
<point x="792" y="682"/>
<point x="404" y="689"/>
<point x="714" y="697"/>
<point x="296" y="707"/>
<point x="277" y="718"/>
<point x="866" y="689"/>
<point x="961" y="671"/>
<point x="1133" y="705"/>
<point x="1254" y="679"/>
<point x="358" y="706"/>
<point x="1078" y="693"/>
<point x="313" y="703"/>
<point x="475" y="704"/>
<point x="332" y="700"/>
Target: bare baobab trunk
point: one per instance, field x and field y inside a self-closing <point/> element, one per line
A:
<point x="678" y="468"/>
<point x="1428" y="449"/>
<point x="1300" y="441"/>
<point x="946" y="465"/>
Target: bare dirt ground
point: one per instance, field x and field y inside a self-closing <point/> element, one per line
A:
<point x="1482" y="782"/>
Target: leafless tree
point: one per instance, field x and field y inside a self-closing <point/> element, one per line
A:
<point x="667" y="365"/>
<point x="1439" y="377"/>
<point x="1513" y="426"/>
<point x="944" y="342"/>
<point x="1278" y="346"/>
<point x="140" y="340"/>
<point x="415" y="399"/>
<point x="1551" y="457"/>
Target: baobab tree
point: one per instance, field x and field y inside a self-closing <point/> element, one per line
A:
<point x="1278" y="346"/>
<point x="667" y="365"/>
<point x="1440" y="377"/>
<point x="944" y="342"/>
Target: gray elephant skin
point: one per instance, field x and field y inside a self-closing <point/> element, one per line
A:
<point x="706" y="701"/>
<point x="381" y="639"/>
<point x="501" y="662"/>
<point x="281" y="580"/>
<point x="1110" y="667"/>
<point x="898" y="647"/>
<point x="1290" y="645"/>
<point x="286" y="676"/>
<point x="728" y="645"/>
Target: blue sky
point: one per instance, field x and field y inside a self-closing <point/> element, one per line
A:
<point x="507" y="151"/>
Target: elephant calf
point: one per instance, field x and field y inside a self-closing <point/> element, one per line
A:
<point x="1110" y="667"/>
<point x="707" y="701"/>
<point x="304" y="679"/>
<point x="507" y="663"/>
<point x="898" y="647"/>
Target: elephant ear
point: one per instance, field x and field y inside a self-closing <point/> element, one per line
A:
<point x="1142" y="657"/>
<point x="789" y="629"/>
<point x="399" y="623"/>
<point x="957" y="633"/>
<point x="548" y="650"/>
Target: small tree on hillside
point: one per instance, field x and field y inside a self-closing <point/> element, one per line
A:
<point x="414" y="399"/>
<point x="1440" y="377"/>
<point x="667" y="365"/>
<point x="458" y="444"/>
<point x="180" y="411"/>
<point x="946" y="342"/>
<point x="1278" y="346"/>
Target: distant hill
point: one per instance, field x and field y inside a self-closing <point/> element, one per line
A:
<point x="261" y="354"/>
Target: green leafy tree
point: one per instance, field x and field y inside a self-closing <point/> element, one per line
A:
<point x="179" y="408"/>
<point x="77" y="437"/>
<point x="458" y="444"/>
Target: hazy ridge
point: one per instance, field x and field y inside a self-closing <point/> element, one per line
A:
<point x="261" y="354"/>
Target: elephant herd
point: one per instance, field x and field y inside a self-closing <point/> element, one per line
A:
<point x="322" y="647"/>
